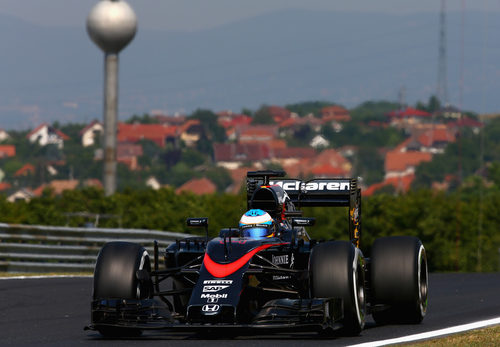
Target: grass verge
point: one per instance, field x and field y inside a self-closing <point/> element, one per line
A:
<point x="480" y="337"/>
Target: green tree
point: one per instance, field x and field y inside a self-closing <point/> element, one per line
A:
<point x="262" y="116"/>
<point x="373" y="111"/>
<point x="144" y="119"/>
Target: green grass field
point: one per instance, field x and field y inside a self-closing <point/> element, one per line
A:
<point x="474" y="338"/>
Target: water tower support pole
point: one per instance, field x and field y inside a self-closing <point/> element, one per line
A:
<point x="110" y="117"/>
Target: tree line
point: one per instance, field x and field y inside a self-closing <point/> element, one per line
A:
<point x="459" y="229"/>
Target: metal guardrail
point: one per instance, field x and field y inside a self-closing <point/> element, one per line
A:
<point x="39" y="248"/>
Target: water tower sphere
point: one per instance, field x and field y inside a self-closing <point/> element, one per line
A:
<point x="111" y="24"/>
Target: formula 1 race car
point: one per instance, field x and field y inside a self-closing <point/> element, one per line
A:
<point x="284" y="281"/>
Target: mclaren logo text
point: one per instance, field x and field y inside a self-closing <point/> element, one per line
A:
<point x="313" y="186"/>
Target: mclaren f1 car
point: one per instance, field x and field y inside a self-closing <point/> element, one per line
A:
<point x="285" y="281"/>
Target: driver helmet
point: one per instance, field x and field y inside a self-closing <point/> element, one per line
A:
<point x="256" y="224"/>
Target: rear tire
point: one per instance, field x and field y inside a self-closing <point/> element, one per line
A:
<point x="337" y="271"/>
<point x="115" y="277"/>
<point x="399" y="279"/>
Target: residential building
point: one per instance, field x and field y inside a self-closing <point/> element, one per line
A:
<point x="46" y="134"/>
<point x="198" y="186"/>
<point x="57" y="186"/>
<point x="233" y="155"/>
<point x="7" y="151"/>
<point x="21" y="194"/>
<point x="3" y="135"/>
<point x="190" y="132"/>
<point x="128" y="153"/>
<point x="157" y="133"/>
<point x="257" y="133"/>
<point x="335" y="113"/>
<point x="91" y="134"/>
<point x="26" y="170"/>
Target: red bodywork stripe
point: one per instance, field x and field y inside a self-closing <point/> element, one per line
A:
<point x="223" y="270"/>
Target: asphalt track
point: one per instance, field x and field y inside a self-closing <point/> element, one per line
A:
<point x="53" y="311"/>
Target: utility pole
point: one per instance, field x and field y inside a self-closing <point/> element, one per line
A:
<point x="442" y="87"/>
<point x="111" y="24"/>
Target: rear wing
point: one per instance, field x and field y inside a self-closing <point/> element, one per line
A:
<point x="319" y="192"/>
<point x="322" y="192"/>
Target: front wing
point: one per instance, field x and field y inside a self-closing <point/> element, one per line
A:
<point x="316" y="314"/>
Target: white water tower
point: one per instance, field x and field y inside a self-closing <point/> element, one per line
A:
<point x="111" y="24"/>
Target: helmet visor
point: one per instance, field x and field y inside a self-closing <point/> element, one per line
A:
<point x="256" y="232"/>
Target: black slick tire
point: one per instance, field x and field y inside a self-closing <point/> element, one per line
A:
<point x="115" y="277"/>
<point x="399" y="279"/>
<point x="337" y="271"/>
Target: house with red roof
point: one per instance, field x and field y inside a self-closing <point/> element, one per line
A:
<point x="328" y="163"/>
<point x="46" y="134"/>
<point x="436" y="140"/>
<point x="233" y="155"/>
<point x="91" y="133"/>
<point x="4" y="186"/>
<point x="332" y="158"/>
<point x="7" y="151"/>
<point x="292" y="155"/>
<point x="198" y="186"/>
<point x="26" y="170"/>
<point x="257" y="133"/>
<point x="278" y="113"/>
<point x="157" y="133"/>
<point x="408" y="117"/>
<point x="229" y="119"/>
<point x="467" y="122"/>
<point x="295" y="124"/>
<point x="93" y="182"/>
<point x="398" y="164"/>
<point x="190" y="132"/>
<point x="128" y="153"/>
<point x="335" y="113"/>
<point x="401" y="184"/>
<point x="57" y="186"/>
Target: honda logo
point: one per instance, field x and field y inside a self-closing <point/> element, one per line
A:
<point x="210" y="308"/>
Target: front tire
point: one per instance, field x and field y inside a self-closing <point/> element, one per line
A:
<point x="399" y="279"/>
<point x="337" y="270"/>
<point x="115" y="277"/>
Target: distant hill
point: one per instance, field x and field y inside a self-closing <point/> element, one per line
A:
<point x="284" y="57"/>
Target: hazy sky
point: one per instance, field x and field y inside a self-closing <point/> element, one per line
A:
<point x="200" y="14"/>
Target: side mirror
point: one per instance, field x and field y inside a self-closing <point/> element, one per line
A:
<point x="303" y="222"/>
<point x="197" y="222"/>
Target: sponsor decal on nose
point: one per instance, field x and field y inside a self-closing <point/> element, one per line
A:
<point x="210" y="308"/>
<point x="213" y="289"/>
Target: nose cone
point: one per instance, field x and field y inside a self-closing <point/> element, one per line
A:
<point x="111" y="25"/>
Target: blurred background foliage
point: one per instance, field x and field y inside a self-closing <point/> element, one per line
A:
<point x="459" y="229"/>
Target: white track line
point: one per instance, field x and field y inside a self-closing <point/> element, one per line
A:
<point x="42" y="277"/>
<point x="430" y="334"/>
